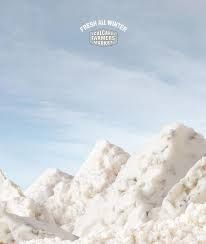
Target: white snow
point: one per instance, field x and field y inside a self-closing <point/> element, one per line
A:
<point x="14" y="228"/>
<point x="156" y="196"/>
<point x="47" y="184"/>
<point x="144" y="181"/>
<point x="46" y="241"/>
<point x="188" y="228"/>
<point x="96" y="174"/>
<point x="50" y="190"/>
<point x="13" y="201"/>
<point x="190" y="189"/>
<point x="66" y="200"/>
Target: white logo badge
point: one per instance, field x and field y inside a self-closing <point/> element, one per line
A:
<point x="103" y="37"/>
<point x="107" y="33"/>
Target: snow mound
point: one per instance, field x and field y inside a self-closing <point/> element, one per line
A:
<point x="14" y="228"/>
<point x="95" y="175"/>
<point x="186" y="228"/>
<point x="142" y="184"/>
<point x="50" y="190"/>
<point x="45" y="186"/>
<point x="98" y="172"/>
<point x="26" y="207"/>
<point x="190" y="189"/>
<point x="13" y="201"/>
<point x="155" y="196"/>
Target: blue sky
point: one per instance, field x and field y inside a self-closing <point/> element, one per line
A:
<point x="59" y="94"/>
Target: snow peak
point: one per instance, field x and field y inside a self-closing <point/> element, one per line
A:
<point x="103" y="37"/>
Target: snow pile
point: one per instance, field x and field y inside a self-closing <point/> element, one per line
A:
<point x="143" y="183"/>
<point x="155" y="196"/>
<point x="27" y="207"/>
<point x="99" y="171"/>
<point x="57" y="200"/>
<point x="69" y="199"/>
<point x="51" y="190"/>
<point x="13" y="201"/>
<point x="14" y="229"/>
<point x="181" y="219"/>
<point x="96" y="174"/>
<point x="47" y="185"/>
<point x="189" y="227"/>
<point x="190" y="189"/>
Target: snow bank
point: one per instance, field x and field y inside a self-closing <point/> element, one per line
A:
<point x="95" y="175"/>
<point x="13" y="201"/>
<point x="144" y="181"/>
<point x="99" y="170"/>
<point x="66" y="200"/>
<point x="155" y="196"/>
<point x="15" y="228"/>
<point x="13" y="231"/>
<point x="47" y="184"/>
<point x="50" y="190"/>
<point x="187" y="228"/>
<point x="190" y="189"/>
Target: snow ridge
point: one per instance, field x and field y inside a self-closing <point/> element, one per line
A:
<point x="142" y="184"/>
<point x="154" y="196"/>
